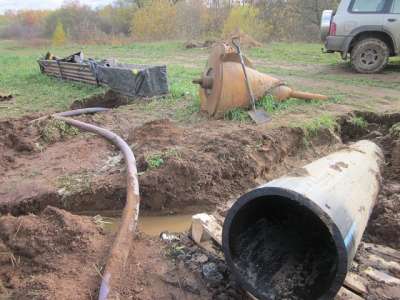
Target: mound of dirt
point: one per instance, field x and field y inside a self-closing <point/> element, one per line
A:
<point x="109" y="99"/>
<point x="194" y="44"/>
<point x="51" y="256"/>
<point x="203" y="167"/>
<point x="15" y="139"/>
<point x="57" y="255"/>
<point x="156" y="134"/>
<point x="246" y="40"/>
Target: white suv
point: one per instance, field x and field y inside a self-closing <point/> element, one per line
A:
<point x="368" y="30"/>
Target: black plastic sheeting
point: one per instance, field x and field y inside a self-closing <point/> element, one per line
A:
<point x="133" y="80"/>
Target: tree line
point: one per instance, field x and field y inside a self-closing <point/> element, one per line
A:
<point x="265" y="20"/>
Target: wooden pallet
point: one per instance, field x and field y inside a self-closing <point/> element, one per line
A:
<point x="68" y="71"/>
<point x="376" y="270"/>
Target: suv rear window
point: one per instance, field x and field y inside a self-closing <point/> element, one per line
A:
<point x="367" y="6"/>
<point x="395" y="7"/>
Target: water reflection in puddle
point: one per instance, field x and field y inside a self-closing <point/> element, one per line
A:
<point x="153" y="225"/>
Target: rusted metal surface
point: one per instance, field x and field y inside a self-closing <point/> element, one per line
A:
<point x="120" y="249"/>
<point x="223" y="86"/>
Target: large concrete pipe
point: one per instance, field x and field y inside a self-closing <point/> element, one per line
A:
<point x="296" y="237"/>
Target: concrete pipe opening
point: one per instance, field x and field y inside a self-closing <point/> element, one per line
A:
<point x="280" y="245"/>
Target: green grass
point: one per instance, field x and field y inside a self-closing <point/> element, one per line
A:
<point x="238" y="115"/>
<point x="156" y="160"/>
<point x="301" y="53"/>
<point x="272" y="106"/>
<point x="313" y="126"/>
<point x="359" y="122"/>
<point x="35" y="92"/>
<point x="395" y="130"/>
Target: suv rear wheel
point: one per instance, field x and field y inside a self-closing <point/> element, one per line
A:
<point x="369" y="56"/>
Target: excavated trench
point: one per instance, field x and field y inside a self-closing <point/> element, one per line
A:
<point x="202" y="169"/>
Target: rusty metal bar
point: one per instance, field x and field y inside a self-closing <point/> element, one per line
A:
<point x="120" y="249"/>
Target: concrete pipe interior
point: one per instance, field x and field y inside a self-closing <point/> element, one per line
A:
<point x="281" y="249"/>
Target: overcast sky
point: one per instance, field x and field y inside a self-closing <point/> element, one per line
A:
<point x="44" y="4"/>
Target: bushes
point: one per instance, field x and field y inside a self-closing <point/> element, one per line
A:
<point x="59" y="37"/>
<point x="246" y="19"/>
<point x="156" y="21"/>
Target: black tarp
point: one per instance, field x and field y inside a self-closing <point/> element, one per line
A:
<point x="133" y="80"/>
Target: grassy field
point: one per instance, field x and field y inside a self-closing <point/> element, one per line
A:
<point x="303" y="66"/>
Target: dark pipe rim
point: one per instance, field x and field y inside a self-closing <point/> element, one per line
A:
<point x="302" y="200"/>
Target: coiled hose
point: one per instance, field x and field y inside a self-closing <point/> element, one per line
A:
<point x="120" y="249"/>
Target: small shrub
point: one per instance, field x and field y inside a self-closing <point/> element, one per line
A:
<point x="155" y="161"/>
<point x="246" y="19"/>
<point x="59" y="37"/>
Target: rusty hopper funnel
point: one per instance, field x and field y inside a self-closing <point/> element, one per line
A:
<point x="223" y="87"/>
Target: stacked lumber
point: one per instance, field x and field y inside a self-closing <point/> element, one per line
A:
<point x="68" y="71"/>
<point x="375" y="271"/>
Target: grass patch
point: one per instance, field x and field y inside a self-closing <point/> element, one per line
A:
<point x="54" y="130"/>
<point x="74" y="184"/>
<point x="156" y="160"/>
<point x="358" y="122"/>
<point x="395" y="130"/>
<point x="238" y="115"/>
<point x="312" y="127"/>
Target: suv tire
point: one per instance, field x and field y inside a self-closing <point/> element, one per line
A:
<point x="369" y="56"/>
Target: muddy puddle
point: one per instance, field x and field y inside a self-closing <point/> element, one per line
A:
<point x="152" y="225"/>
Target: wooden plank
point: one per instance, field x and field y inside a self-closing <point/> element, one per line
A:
<point x="381" y="276"/>
<point x="345" y="294"/>
<point x="382" y="250"/>
<point x="55" y="68"/>
<point x="69" y="77"/>
<point x="356" y="283"/>
<point x="67" y="72"/>
<point x="73" y="79"/>
<point x="62" y="63"/>
<point x="72" y="75"/>
<point x="205" y="227"/>
<point x="378" y="262"/>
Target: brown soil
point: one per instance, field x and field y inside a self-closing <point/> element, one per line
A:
<point x="57" y="255"/>
<point x="51" y="256"/>
<point x="109" y="99"/>
<point x="201" y="164"/>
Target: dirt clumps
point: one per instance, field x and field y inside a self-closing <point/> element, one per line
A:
<point x="196" y="44"/>
<point x="50" y="256"/>
<point x="155" y="135"/>
<point x="110" y="99"/>
<point x="203" y="167"/>
<point x="15" y="139"/>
